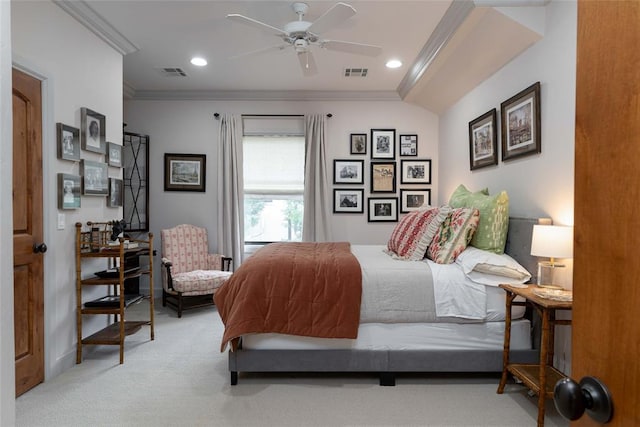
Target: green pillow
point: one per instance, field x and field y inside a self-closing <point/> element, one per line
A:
<point x="491" y="234"/>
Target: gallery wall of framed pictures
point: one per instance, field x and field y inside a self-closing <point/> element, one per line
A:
<point x="94" y="176"/>
<point x="393" y="166"/>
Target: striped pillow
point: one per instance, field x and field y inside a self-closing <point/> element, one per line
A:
<point x="411" y="237"/>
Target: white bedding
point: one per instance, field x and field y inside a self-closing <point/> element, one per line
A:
<point x="398" y="291"/>
<point x="401" y="311"/>
<point x="405" y="336"/>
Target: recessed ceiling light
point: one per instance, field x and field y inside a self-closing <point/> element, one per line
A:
<point x="394" y="63"/>
<point x="200" y="62"/>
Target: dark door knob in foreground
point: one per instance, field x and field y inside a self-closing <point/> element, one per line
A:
<point x="572" y="399"/>
<point x="41" y="248"/>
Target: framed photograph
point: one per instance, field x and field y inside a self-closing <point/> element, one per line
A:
<point x="408" y="145"/>
<point x="383" y="143"/>
<point x="412" y="200"/>
<point x="184" y="172"/>
<point x="358" y="143"/>
<point x="93" y="130"/>
<point x="383" y="177"/>
<point x="68" y="142"/>
<point x="415" y="171"/>
<point x="94" y="178"/>
<point x="483" y="141"/>
<point x="69" y="188"/>
<point x="348" y="201"/>
<point x="114" y="154"/>
<point x="383" y="209"/>
<point x="520" y="117"/>
<point x="115" y="193"/>
<point x="348" y="171"/>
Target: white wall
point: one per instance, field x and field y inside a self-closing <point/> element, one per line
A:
<point x="538" y="185"/>
<point x="189" y="127"/>
<point x="78" y="70"/>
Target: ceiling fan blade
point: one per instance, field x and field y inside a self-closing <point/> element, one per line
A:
<point x="259" y="51"/>
<point x="257" y="24"/>
<point x="350" y="47"/>
<point x="332" y="17"/>
<point x="307" y="63"/>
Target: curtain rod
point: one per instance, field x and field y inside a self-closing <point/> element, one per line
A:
<point x="217" y="115"/>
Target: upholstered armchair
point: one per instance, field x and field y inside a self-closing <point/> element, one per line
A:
<point x="190" y="274"/>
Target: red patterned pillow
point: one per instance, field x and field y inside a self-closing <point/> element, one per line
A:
<point x="454" y="235"/>
<point x="411" y="237"/>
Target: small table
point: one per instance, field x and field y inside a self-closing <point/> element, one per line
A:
<point x="539" y="378"/>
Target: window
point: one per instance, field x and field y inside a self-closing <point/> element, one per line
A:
<point x="273" y="187"/>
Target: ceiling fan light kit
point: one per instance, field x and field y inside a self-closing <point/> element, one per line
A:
<point x="302" y="34"/>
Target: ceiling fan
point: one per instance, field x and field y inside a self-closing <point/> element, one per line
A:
<point x="302" y="34"/>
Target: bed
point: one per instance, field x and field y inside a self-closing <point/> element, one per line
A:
<point x="417" y="344"/>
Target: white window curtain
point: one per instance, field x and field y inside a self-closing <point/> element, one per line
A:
<point x="316" y="227"/>
<point x="230" y="189"/>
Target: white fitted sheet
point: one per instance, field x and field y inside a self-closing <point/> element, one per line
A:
<point x="405" y="336"/>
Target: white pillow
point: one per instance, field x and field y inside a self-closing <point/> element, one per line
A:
<point x="490" y="268"/>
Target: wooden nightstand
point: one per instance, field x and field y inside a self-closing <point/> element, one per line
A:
<point x="540" y="378"/>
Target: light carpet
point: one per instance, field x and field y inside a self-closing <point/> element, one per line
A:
<point x="181" y="379"/>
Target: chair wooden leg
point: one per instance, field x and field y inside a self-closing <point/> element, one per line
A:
<point x="179" y="305"/>
<point x="164" y="298"/>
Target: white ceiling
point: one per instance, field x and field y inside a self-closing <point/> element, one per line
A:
<point x="167" y="33"/>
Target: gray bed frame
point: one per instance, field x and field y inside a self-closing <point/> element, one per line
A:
<point x="389" y="362"/>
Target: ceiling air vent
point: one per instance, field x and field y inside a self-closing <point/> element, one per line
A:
<point x="172" y="72"/>
<point x="356" y="72"/>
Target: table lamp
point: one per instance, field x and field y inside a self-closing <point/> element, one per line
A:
<point x="553" y="241"/>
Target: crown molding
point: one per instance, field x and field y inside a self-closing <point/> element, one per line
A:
<point x="266" y="95"/>
<point x="444" y="31"/>
<point x="128" y="91"/>
<point x="88" y="17"/>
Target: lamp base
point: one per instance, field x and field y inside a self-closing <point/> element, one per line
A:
<point x="547" y="275"/>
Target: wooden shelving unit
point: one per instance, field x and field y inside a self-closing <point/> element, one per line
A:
<point x="95" y="242"/>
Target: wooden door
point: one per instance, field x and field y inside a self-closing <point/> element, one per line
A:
<point x="27" y="232"/>
<point x="606" y="329"/>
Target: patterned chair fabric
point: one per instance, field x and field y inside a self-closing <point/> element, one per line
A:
<point x="190" y="270"/>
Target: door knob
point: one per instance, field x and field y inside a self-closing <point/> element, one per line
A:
<point x="572" y="399"/>
<point x="41" y="248"/>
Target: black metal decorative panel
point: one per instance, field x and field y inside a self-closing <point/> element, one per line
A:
<point x="135" y="160"/>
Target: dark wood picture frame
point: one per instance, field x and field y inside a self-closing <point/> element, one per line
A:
<point x="408" y="145"/>
<point x="383" y="144"/>
<point x="483" y="140"/>
<point x="520" y="117"/>
<point x="415" y="171"/>
<point x="383" y="177"/>
<point x="185" y="172"/>
<point x="116" y="193"/>
<point x="95" y="181"/>
<point x="68" y="139"/>
<point x="382" y="209"/>
<point x="348" y="200"/>
<point x="69" y="189"/>
<point x="347" y="171"/>
<point x="414" y="198"/>
<point x="358" y="143"/>
<point x="93" y="130"/>
<point x="114" y="154"/>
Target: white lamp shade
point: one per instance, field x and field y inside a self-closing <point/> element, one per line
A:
<point x="553" y="241"/>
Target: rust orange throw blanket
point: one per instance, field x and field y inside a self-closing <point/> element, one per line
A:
<point x="310" y="289"/>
